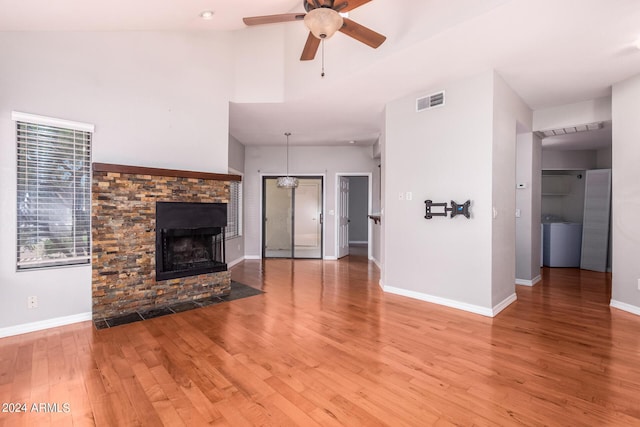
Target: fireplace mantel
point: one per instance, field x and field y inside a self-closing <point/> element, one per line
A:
<point x="140" y="170"/>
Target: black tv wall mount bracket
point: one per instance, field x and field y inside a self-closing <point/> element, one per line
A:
<point x="455" y="209"/>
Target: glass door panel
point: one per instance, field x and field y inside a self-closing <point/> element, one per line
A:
<point x="278" y="220"/>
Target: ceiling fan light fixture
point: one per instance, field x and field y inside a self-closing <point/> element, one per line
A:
<point x="323" y="22"/>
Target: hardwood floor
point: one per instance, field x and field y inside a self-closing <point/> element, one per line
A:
<point x="324" y="346"/>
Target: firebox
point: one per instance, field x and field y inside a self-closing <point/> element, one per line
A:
<point x="189" y="239"/>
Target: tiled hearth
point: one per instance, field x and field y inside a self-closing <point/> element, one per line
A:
<point x="124" y="238"/>
<point x="238" y="291"/>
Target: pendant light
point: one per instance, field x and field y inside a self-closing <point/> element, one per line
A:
<point x="287" y="181"/>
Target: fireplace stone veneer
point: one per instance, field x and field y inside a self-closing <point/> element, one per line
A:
<point x="124" y="237"/>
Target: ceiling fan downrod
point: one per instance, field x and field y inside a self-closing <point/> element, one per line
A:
<point x="322" y="74"/>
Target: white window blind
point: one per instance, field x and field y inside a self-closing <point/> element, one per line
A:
<point x="234" y="211"/>
<point x="54" y="192"/>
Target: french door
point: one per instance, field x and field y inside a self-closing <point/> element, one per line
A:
<point x="292" y="219"/>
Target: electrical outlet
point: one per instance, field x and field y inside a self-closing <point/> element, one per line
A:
<point x="32" y="302"/>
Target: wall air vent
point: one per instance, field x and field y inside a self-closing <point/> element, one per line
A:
<point x="430" y="101"/>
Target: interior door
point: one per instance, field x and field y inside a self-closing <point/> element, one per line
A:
<point x="343" y="216"/>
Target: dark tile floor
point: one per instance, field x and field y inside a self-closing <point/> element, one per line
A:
<point x="238" y="291"/>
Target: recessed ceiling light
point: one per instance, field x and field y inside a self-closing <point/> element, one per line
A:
<point x="207" y="14"/>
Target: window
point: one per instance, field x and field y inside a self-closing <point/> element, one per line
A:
<point x="54" y="191"/>
<point x="234" y="211"/>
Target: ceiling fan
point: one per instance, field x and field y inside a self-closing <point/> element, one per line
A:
<point x="323" y="19"/>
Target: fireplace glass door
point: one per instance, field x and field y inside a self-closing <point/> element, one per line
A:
<point x="292" y="219"/>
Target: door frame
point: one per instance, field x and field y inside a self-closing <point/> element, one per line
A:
<point x="336" y="219"/>
<point x="323" y="178"/>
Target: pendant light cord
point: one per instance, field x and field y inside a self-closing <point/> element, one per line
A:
<point x="287" y="134"/>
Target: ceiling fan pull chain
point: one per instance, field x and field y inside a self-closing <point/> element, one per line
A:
<point x="322" y="41"/>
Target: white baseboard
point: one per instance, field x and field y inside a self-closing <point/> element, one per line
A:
<point x="625" y="307"/>
<point x="235" y="262"/>
<point x="44" y="324"/>
<point x="252" y="257"/>
<point x="376" y="262"/>
<point x="488" y="312"/>
<point x="531" y="282"/>
<point x="330" y="258"/>
<point x="504" y="304"/>
<point x="381" y="284"/>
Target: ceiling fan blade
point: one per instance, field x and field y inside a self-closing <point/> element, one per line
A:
<point x="272" y="19"/>
<point x="362" y="33"/>
<point x="310" y="48"/>
<point x="347" y="5"/>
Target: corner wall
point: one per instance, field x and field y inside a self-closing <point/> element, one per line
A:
<point x="528" y="202"/>
<point x="509" y="114"/>
<point x="462" y="151"/>
<point x="441" y="154"/>
<point x="626" y="195"/>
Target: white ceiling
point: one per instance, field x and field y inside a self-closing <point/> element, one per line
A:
<point x="551" y="52"/>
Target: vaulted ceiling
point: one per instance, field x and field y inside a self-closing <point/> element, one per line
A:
<point x="551" y="52"/>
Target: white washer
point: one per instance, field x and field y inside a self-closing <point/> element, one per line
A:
<point x="562" y="244"/>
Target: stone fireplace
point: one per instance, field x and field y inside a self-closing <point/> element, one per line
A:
<point x="136" y="211"/>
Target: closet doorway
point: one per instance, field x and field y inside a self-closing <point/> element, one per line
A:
<point x="292" y="219"/>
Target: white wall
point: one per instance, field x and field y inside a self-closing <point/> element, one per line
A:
<point x="603" y="158"/>
<point x="441" y="154"/>
<point x="156" y="99"/>
<point x="235" y="247"/>
<point x="579" y="113"/>
<point x="569" y="159"/>
<point x="626" y="195"/>
<point x="259" y="64"/>
<point x="327" y="161"/>
<point x="510" y="113"/>
<point x="528" y="241"/>
<point x="464" y="150"/>
<point x="377" y="230"/>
